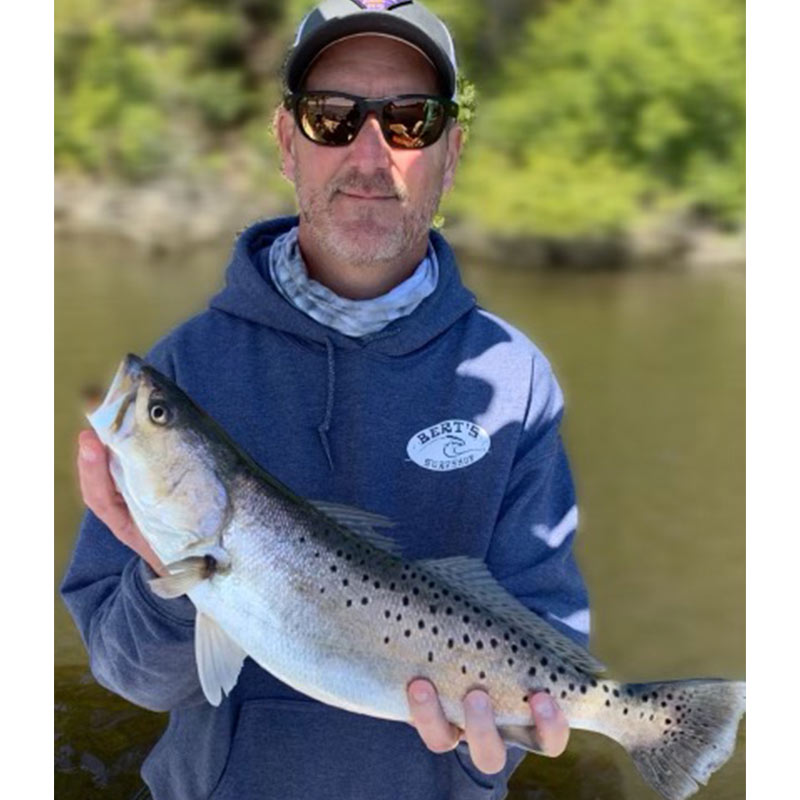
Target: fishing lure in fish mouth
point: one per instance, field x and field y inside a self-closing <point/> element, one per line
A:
<point x="316" y="595"/>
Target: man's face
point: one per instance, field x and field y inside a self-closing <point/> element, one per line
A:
<point x="368" y="202"/>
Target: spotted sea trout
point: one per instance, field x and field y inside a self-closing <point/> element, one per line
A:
<point x="314" y="594"/>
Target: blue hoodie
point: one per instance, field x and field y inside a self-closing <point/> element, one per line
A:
<point x="446" y="422"/>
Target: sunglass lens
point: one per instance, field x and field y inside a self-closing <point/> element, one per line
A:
<point x="328" y="119"/>
<point x="413" y="122"/>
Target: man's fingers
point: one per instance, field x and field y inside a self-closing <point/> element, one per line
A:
<point x="97" y="486"/>
<point x="486" y="748"/>
<point x="428" y="718"/>
<point x="552" y="728"/>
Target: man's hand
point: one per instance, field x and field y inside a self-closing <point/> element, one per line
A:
<point x="101" y="496"/>
<point x="486" y="748"/>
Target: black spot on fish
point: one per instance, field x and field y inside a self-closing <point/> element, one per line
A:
<point x="608" y="702"/>
<point x="572" y="687"/>
<point x="413" y="575"/>
<point x="553" y="677"/>
<point x="415" y="590"/>
<point x="583" y="690"/>
<point x="605" y="688"/>
<point x="349" y="603"/>
<point x="339" y="553"/>
<point x="405" y="600"/>
<point x="668" y="722"/>
<point x="465" y="618"/>
<point x="457" y="598"/>
<point x="345" y="582"/>
<point x="432" y="609"/>
<point x="391" y="586"/>
<point x="387" y="614"/>
<point x="377" y="584"/>
<point x="386" y="640"/>
<point x="506" y="636"/>
<point x="523" y="642"/>
<point x="406" y="633"/>
<point x="624" y="710"/>
<point x="450" y="643"/>
<point x="479" y="644"/>
<point x="445" y="592"/>
<point x="493" y="642"/>
<point x="514" y="648"/>
<point x="364" y="601"/>
<point x="532" y="671"/>
<point x="333" y="567"/>
<point x="463" y="670"/>
<point x="348" y="557"/>
<point x="322" y="590"/>
<point x="430" y="655"/>
<point x="434" y="630"/>
<point x="561" y="670"/>
<point x="421" y="624"/>
<point x="593" y="682"/>
<point x="399" y="617"/>
<point x="365" y="578"/>
<point x="302" y="538"/>
<point x="481" y="674"/>
<point x="448" y="610"/>
<point x="616" y="692"/>
<point x="543" y="662"/>
<point x="466" y="638"/>
<point x="510" y="662"/>
<point x="316" y="555"/>
<point x="563" y="695"/>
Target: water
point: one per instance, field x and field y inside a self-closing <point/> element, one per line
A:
<point x="652" y="366"/>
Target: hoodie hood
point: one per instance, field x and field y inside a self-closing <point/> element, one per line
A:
<point x="249" y="293"/>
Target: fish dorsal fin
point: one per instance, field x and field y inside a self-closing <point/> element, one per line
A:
<point x="472" y="577"/>
<point x="219" y="658"/>
<point x="361" y="522"/>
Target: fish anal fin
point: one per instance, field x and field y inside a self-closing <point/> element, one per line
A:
<point x="219" y="658"/>
<point x="522" y="736"/>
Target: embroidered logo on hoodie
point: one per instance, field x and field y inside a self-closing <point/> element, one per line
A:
<point x="451" y="444"/>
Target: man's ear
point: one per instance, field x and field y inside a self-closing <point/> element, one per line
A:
<point x="455" y="137"/>
<point x="284" y="132"/>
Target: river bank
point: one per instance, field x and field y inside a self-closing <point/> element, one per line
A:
<point x="173" y="214"/>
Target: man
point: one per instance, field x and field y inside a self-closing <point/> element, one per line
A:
<point x="346" y="357"/>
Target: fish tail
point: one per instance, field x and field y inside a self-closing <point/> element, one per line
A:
<point x="680" y="733"/>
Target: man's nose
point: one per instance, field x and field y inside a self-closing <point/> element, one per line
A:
<point x="369" y="145"/>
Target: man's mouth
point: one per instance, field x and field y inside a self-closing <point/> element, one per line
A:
<point x="356" y="195"/>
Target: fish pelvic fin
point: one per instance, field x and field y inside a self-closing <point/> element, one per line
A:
<point x="219" y="658"/>
<point x="691" y="737"/>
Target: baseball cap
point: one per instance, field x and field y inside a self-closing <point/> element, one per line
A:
<point x="410" y="21"/>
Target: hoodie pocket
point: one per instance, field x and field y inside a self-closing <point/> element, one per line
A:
<point x="301" y="750"/>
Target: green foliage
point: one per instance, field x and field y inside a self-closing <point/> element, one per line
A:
<point x="587" y="106"/>
<point x="606" y="102"/>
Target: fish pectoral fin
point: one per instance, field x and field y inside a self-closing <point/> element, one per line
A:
<point x="184" y="575"/>
<point x="219" y="658"/>
<point x="520" y="736"/>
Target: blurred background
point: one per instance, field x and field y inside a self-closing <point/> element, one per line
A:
<point x="599" y="206"/>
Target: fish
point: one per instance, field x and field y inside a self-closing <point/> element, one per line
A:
<point x="321" y="596"/>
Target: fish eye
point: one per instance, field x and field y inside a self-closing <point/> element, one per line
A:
<point x="159" y="413"/>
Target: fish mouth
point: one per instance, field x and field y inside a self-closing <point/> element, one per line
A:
<point x="109" y="418"/>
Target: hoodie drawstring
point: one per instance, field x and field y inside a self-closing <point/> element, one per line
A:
<point x="325" y="425"/>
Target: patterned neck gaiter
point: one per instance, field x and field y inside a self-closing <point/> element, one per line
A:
<point x="350" y="317"/>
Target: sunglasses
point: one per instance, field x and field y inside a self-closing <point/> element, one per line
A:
<point x="408" y="121"/>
